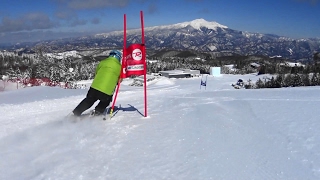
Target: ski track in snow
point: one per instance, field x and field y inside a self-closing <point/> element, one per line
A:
<point x="180" y="138"/>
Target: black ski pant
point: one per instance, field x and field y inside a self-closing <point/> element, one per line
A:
<point x="92" y="96"/>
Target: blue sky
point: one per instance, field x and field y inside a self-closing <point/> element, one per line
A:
<point x="38" y="19"/>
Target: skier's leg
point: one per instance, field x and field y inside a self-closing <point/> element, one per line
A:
<point x="103" y="104"/>
<point x="86" y="103"/>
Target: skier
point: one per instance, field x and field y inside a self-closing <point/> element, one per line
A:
<point x="240" y="82"/>
<point x="104" y="83"/>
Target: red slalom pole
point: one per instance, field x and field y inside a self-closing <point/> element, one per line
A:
<point x="145" y="64"/>
<point x="123" y="59"/>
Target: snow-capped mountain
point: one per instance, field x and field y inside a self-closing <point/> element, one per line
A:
<point x="196" y="24"/>
<point x="200" y="35"/>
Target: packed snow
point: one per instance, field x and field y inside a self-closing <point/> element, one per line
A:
<point x="191" y="133"/>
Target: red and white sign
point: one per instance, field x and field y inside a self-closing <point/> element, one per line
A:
<point x="134" y="61"/>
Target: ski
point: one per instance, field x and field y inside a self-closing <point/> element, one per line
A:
<point x="107" y="115"/>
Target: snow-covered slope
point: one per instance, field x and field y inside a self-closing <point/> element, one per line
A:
<point x="190" y="133"/>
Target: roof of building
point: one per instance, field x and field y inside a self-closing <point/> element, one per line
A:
<point x="291" y="64"/>
<point x="179" y="71"/>
<point x="172" y="72"/>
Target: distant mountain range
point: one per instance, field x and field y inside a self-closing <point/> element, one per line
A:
<point x="197" y="35"/>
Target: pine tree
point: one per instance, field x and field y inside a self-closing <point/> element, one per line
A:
<point x="305" y="80"/>
<point x="259" y="84"/>
<point x="11" y="73"/>
<point x="297" y="81"/>
<point x="18" y="73"/>
<point x="287" y="82"/>
<point x="314" y="80"/>
<point x="279" y="80"/>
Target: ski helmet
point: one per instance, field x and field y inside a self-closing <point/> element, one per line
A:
<point x="117" y="54"/>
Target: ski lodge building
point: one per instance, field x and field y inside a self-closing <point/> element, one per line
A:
<point x="180" y="73"/>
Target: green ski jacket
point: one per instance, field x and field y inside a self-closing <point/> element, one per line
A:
<point x="107" y="75"/>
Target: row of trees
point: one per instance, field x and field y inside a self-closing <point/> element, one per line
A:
<point x="70" y="69"/>
<point x="73" y="69"/>
<point x="308" y="75"/>
<point x="288" y="80"/>
<point x="34" y="66"/>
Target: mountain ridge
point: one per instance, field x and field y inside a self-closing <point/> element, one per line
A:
<point x="197" y="35"/>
